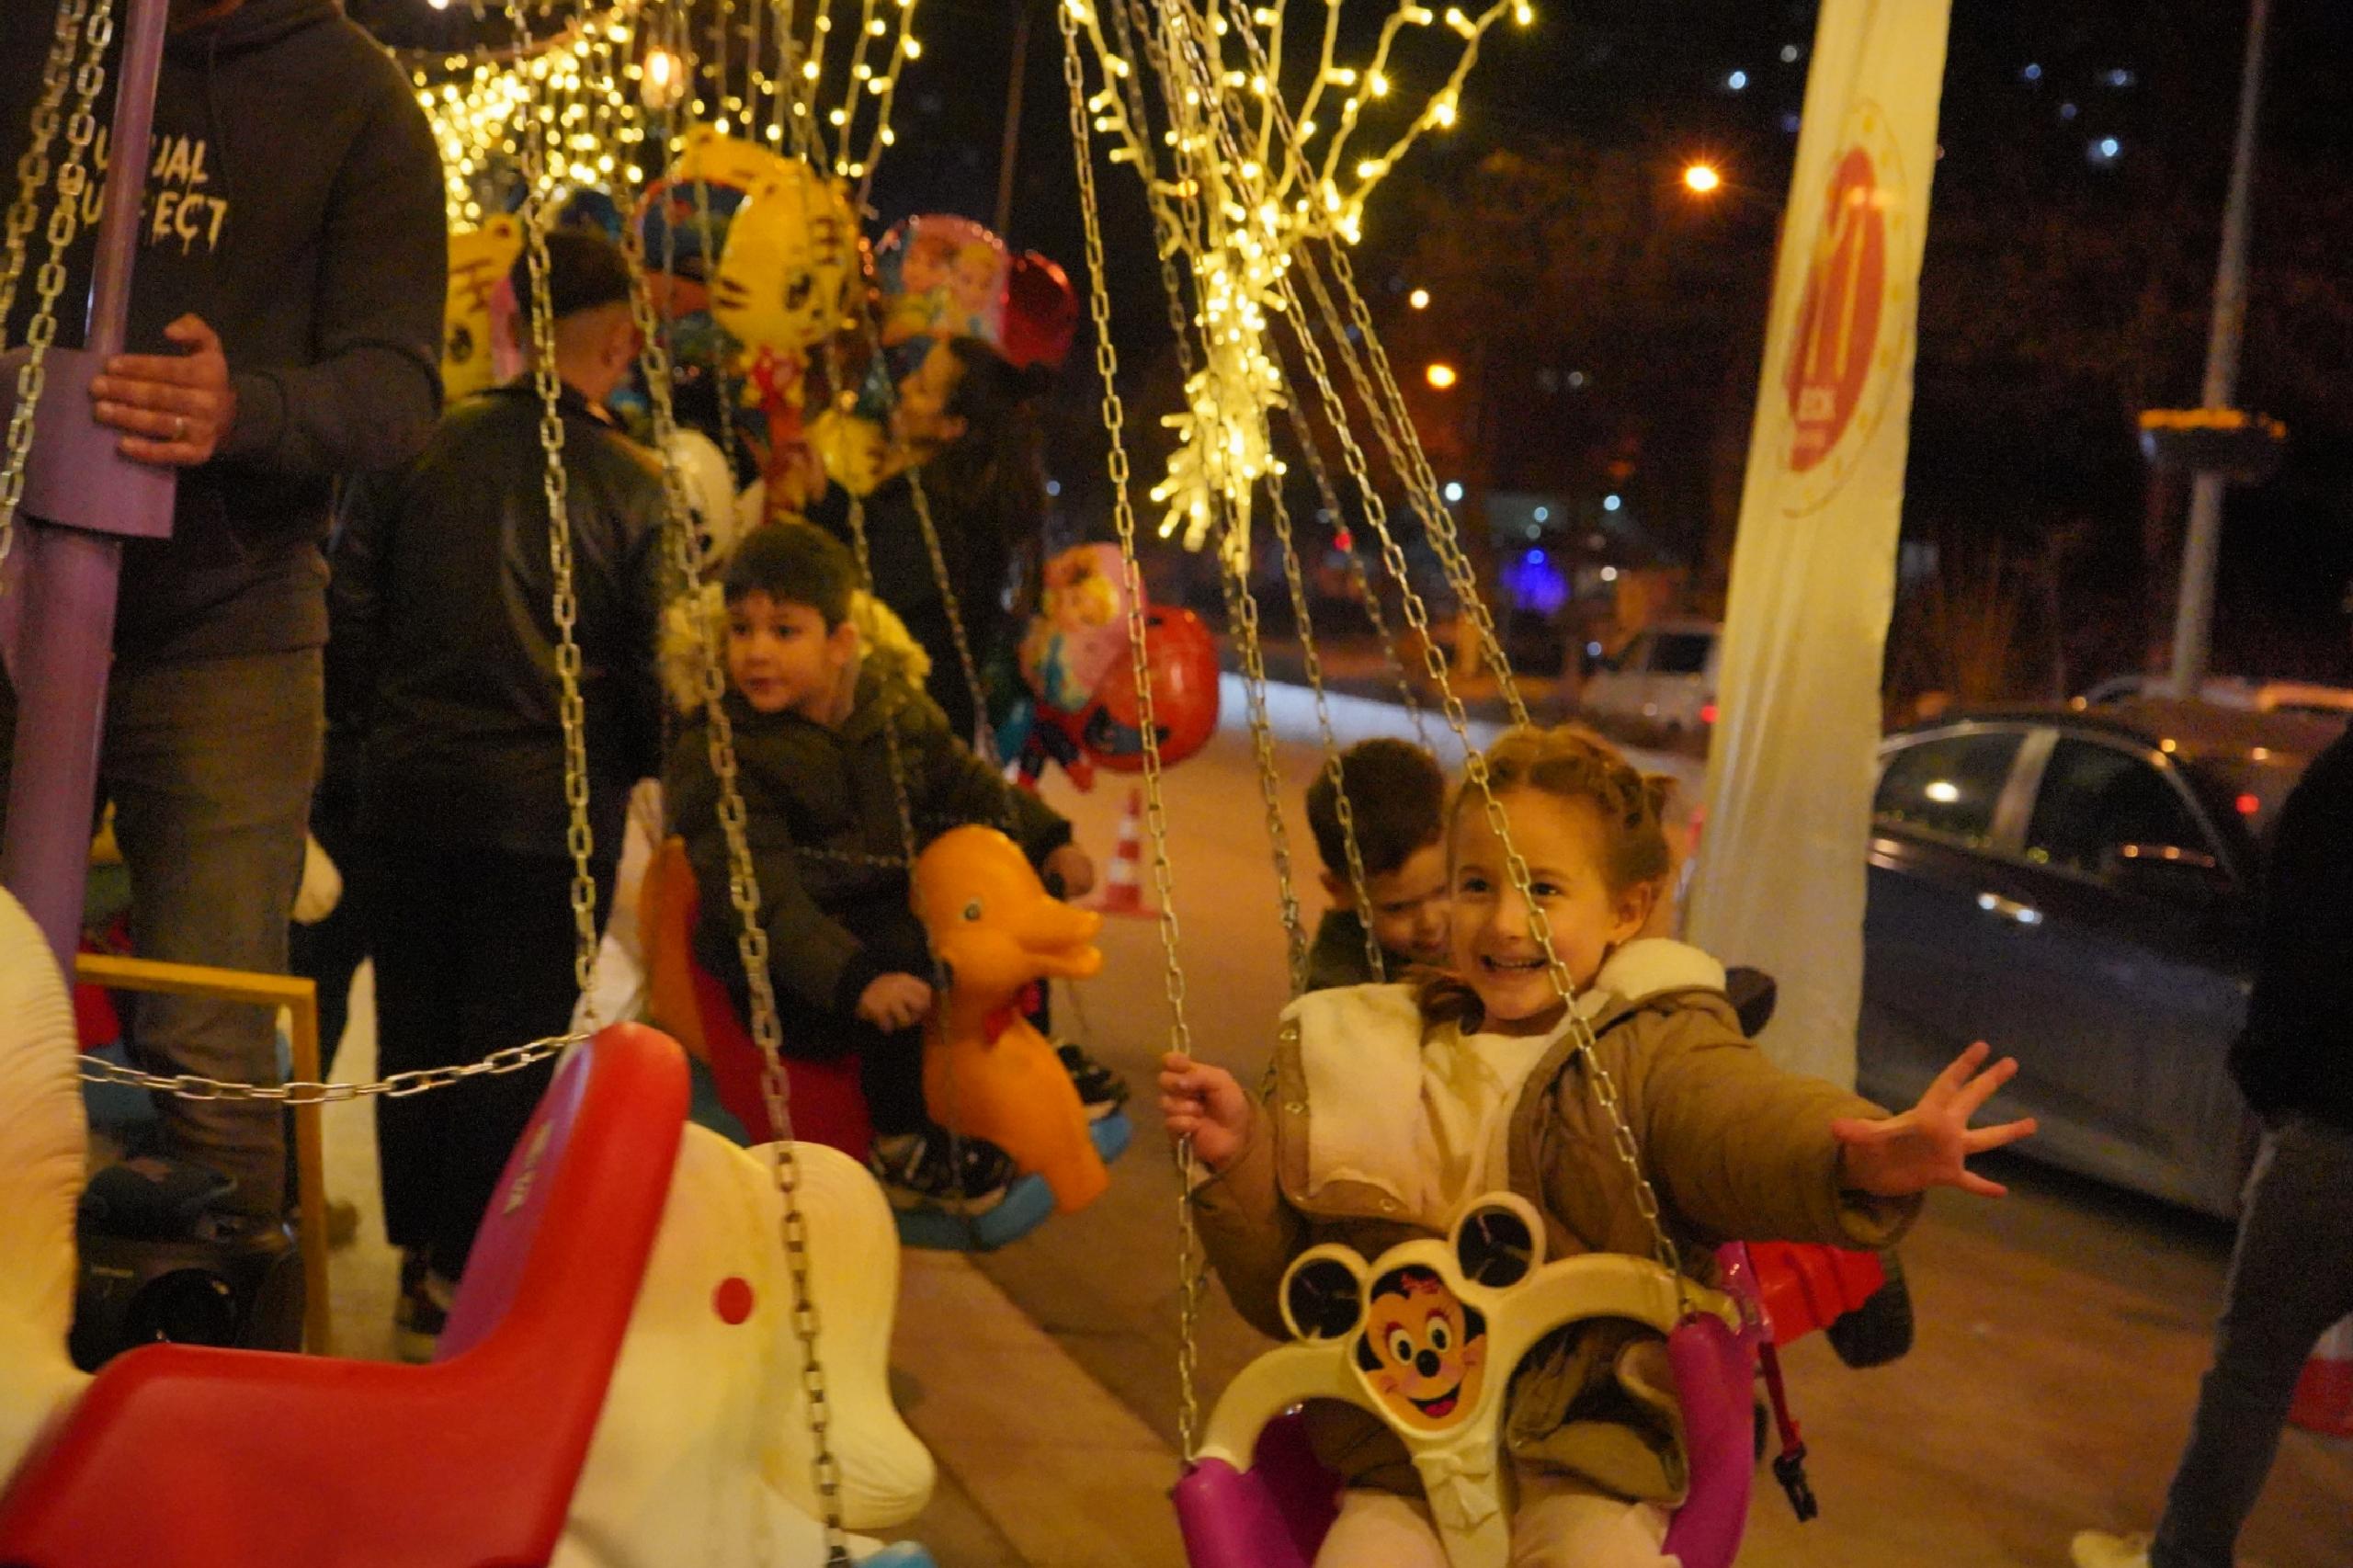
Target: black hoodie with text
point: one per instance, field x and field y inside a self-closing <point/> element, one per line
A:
<point x="294" y="202"/>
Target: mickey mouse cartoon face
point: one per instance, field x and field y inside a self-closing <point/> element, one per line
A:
<point x="1416" y="1322"/>
<point x="1423" y="1350"/>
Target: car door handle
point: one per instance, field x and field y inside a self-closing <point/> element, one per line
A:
<point x="2010" y="909"/>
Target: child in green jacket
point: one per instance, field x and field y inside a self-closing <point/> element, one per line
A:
<point x="824" y="738"/>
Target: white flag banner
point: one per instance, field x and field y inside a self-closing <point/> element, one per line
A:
<point x="1781" y="882"/>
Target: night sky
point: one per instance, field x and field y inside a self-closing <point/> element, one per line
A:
<point x="2085" y="152"/>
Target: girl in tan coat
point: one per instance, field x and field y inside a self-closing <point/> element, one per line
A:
<point x="1395" y="1106"/>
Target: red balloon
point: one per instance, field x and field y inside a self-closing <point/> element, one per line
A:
<point x="1180" y="657"/>
<point x="1040" y="313"/>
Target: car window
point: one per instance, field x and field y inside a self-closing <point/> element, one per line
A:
<point x="2095" y="799"/>
<point x="1681" y="653"/>
<point x="1949" y="784"/>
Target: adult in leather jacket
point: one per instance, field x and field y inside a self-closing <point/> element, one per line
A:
<point x="443" y="655"/>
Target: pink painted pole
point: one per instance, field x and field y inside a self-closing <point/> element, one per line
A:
<point x="73" y="547"/>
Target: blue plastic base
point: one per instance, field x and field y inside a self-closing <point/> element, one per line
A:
<point x="1027" y="1204"/>
<point x="1112" y="1135"/>
<point x="901" y="1554"/>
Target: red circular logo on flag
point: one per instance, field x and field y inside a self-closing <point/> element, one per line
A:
<point x="1833" y="350"/>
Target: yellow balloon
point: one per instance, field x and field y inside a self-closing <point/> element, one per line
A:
<point x="851" y="449"/>
<point x="479" y="258"/>
<point x="785" y="280"/>
<point x="725" y="160"/>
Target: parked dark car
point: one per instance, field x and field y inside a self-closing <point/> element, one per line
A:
<point x="2078" y="886"/>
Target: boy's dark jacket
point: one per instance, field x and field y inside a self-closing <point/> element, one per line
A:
<point x="1338" y="956"/>
<point x="826" y="841"/>
<point x="294" y="201"/>
<point x="443" y="663"/>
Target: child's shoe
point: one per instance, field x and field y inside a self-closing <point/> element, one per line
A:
<point x="1100" y="1090"/>
<point x="422" y="1310"/>
<point x="929" y="1168"/>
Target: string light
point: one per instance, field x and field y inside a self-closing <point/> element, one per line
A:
<point x="1240" y="181"/>
<point x="599" y="97"/>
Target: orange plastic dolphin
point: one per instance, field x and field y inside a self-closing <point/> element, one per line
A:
<point x="986" y="1071"/>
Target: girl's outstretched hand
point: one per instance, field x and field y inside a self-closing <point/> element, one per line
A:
<point x="1205" y="1104"/>
<point x="1930" y="1145"/>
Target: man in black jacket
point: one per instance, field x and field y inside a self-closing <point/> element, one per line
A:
<point x="2291" y="1274"/>
<point x="444" y="656"/>
<point x="285" y="330"/>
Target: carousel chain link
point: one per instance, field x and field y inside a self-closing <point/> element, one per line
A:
<point x="32" y="168"/>
<point x="1391" y="423"/>
<point x="398" y="1085"/>
<point x="1295" y="577"/>
<point x="1359" y="581"/>
<point x="1107" y="364"/>
<point x="1400" y="446"/>
<point x="556" y="484"/>
<point x="955" y="616"/>
<point x="65" y="223"/>
<point x="751" y="946"/>
<point x="1241" y="616"/>
<point x="1477" y="776"/>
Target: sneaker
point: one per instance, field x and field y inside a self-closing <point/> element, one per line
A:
<point x="1100" y="1090"/>
<point x="423" y="1310"/>
<point x="2098" y="1549"/>
<point x="967" y="1176"/>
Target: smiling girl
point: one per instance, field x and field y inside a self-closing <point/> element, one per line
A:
<point x="1395" y="1106"/>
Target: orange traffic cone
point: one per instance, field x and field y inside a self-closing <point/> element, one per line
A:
<point x="2325" y="1394"/>
<point x="1124" y="878"/>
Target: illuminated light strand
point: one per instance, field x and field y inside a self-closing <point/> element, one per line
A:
<point x="1233" y="186"/>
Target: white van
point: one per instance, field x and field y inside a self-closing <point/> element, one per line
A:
<point x="1663" y="683"/>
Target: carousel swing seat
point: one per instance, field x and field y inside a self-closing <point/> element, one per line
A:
<point x="828" y="1106"/>
<point x="1256" y="1496"/>
<point x="182" y="1455"/>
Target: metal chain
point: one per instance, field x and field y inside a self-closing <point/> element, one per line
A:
<point x="1475" y="776"/>
<point x="751" y="938"/>
<point x="1359" y="579"/>
<point x="565" y="605"/>
<point x="1241" y="616"/>
<point x="32" y="169"/>
<point x="955" y="616"/>
<point x="65" y="223"/>
<point x="1475" y="768"/>
<point x="1191" y="1269"/>
<point x="1391" y="423"/>
<point x="1278" y="511"/>
<point x="398" y="1087"/>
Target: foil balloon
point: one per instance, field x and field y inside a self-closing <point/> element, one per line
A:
<point x="941" y="278"/>
<point x="1078" y="666"/>
<point x="1040" y="313"/>
<point x="786" y="275"/>
<point x="1180" y="658"/>
<point x="1081" y="629"/>
<point x="480" y="303"/>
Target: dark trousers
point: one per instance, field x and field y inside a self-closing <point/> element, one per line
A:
<point x="473" y="952"/>
<point x="209" y="764"/>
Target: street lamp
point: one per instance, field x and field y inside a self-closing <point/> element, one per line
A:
<point x="1702" y="179"/>
<point x="1419" y="299"/>
<point x="1440" y="375"/>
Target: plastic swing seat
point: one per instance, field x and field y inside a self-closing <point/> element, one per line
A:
<point x="1257" y="1498"/>
<point x="182" y="1457"/>
<point x="828" y="1106"/>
